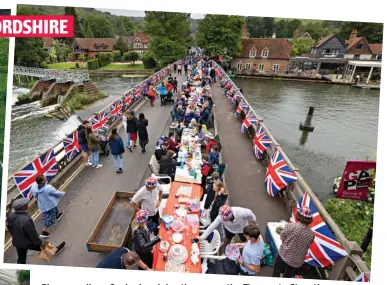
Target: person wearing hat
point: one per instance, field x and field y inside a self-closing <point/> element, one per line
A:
<point x="149" y="196"/>
<point x="141" y="241"/>
<point x="23" y="231"/>
<point x="296" y="240"/>
<point x="161" y="150"/>
<point x="131" y="129"/>
<point x="228" y="265"/>
<point x="234" y="220"/>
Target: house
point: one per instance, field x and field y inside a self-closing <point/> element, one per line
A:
<point x="139" y="42"/>
<point x="357" y="48"/>
<point x="48" y="44"/>
<point x="245" y="32"/>
<point x="89" y="47"/>
<point x="266" y="54"/>
<point x="332" y="46"/>
<point x="376" y="50"/>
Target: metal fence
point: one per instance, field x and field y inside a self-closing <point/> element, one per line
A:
<point x="49" y="74"/>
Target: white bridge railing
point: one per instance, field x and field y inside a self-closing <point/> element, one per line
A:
<point x="60" y="75"/>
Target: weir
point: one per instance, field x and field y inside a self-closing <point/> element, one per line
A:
<point x="89" y="190"/>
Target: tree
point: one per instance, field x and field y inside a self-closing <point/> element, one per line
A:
<point x="89" y="33"/>
<point x="149" y="61"/>
<point x="260" y="27"/>
<point x="78" y="29"/>
<point x="119" y="27"/>
<point x="170" y="32"/>
<point x="373" y="32"/>
<point x="301" y="46"/>
<point x="220" y="33"/>
<point x="292" y="26"/>
<point x="100" y="26"/>
<point x="121" y="45"/>
<point x="129" y="26"/>
<point x="131" y="56"/>
<point x="281" y="29"/>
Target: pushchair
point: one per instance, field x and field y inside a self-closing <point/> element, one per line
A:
<point x="103" y="141"/>
<point x="168" y="99"/>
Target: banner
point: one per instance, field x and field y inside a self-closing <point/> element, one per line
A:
<point x="356" y="180"/>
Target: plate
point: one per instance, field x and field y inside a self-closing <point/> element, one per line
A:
<point x="178" y="253"/>
<point x="164" y="246"/>
<point x="178" y="226"/>
<point x="181" y="212"/>
<point x="177" y="237"/>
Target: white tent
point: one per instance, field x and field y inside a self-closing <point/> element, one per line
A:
<point x="8" y="277"/>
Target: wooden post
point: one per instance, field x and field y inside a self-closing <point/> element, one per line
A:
<point x="353" y="73"/>
<point x="307" y="125"/>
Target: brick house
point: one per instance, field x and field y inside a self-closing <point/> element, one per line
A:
<point x="263" y="55"/>
<point x="48" y="44"/>
<point x="139" y="42"/>
<point x="89" y="47"/>
<point x="357" y="48"/>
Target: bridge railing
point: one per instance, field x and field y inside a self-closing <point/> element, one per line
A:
<point x="52" y="73"/>
<point x="58" y="147"/>
<point x="346" y="268"/>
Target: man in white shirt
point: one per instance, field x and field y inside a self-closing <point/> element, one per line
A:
<point x="234" y="220"/>
<point x="149" y="197"/>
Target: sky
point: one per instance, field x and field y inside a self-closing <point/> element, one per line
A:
<point x="134" y="13"/>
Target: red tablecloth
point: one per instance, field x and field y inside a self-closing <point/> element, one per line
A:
<point x="158" y="262"/>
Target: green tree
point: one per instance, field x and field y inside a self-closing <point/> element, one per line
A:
<point x="373" y="32"/>
<point x="89" y="33"/>
<point x="119" y="27"/>
<point x="292" y="26"/>
<point x="149" y="61"/>
<point x="260" y="27"/>
<point x="170" y="32"/>
<point x="100" y="26"/>
<point x="281" y="29"/>
<point x="131" y="56"/>
<point x="301" y="45"/>
<point x="129" y="26"/>
<point x="121" y="45"/>
<point x="220" y="33"/>
<point x="78" y="29"/>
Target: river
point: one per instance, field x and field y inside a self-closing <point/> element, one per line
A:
<point x="32" y="133"/>
<point x="345" y="120"/>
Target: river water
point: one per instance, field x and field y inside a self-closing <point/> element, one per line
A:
<point x="32" y="133"/>
<point x="345" y="120"/>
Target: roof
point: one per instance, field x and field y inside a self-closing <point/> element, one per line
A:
<point x="96" y="44"/>
<point x="365" y="63"/>
<point x="376" y="48"/>
<point x="278" y="48"/>
<point x="48" y="42"/>
<point x="350" y="43"/>
<point x="144" y="38"/>
<point x="324" y="40"/>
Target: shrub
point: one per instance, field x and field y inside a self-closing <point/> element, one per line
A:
<point x="116" y="55"/>
<point x="149" y="60"/>
<point x="31" y="84"/>
<point x="43" y="64"/>
<point x="93" y="64"/>
<point x="70" y="56"/>
<point x="131" y="56"/>
<point x="23" y="99"/>
<point x="102" y="95"/>
<point x="104" y="58"/>
<point x="79" y="100"/>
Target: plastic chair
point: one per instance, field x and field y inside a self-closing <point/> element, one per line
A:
<point x="208" y="257"/>
<point x="210" y="248"/>
<point x="163" y="203"/>
<point x="155" y="167"/>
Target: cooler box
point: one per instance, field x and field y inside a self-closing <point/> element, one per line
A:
<point x="272" y="238"/>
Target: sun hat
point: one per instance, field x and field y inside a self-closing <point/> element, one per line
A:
<point x="142" y="216"/>
<point x="232" y="251"/>
<point x="305" y="212"/>
<point x="225" y="212"/>
<point x="151" y="182"/>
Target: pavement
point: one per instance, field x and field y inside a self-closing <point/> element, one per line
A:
<point x="89" y="192"/>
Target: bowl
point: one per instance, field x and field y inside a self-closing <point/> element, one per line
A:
<point x="178" y="226"/>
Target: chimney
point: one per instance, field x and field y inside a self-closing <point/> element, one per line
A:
<point x="353" y="34"/>
<point x="245" y="33"/>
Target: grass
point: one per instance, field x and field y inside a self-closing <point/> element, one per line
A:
<point x="66" y="65"/>
<point x="23" y="99"/>
<point x="79" y="100"/>
<point x="120" y="66"/>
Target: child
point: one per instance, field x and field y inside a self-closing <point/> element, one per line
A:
<point x="213" y="156"/>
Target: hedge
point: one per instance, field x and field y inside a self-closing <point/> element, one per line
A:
<point x="116" y="55"/>
<point x="93" y="64"/>
<point x="104" y="58"/>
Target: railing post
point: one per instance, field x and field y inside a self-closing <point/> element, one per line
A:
<point x="338" y="271"/>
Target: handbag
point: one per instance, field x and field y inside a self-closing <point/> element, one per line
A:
<point x="47" y="251"/>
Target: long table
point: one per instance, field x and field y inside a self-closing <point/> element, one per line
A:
<point x="166" y="234"/>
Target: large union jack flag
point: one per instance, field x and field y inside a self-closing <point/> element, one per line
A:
<point x="261" y="142"/>
<point x="71" y="145"/>
<point x="100" y="120"/>
<point x="278" y="174"/>
<point x="325" y="248"/>
<point x="248" y="121"/>
<point x="116" y="109"/>
<point x="44" y="165"/>
<point x="242" y="106"/>
<point x="362" y="278"/>
<point x="128" y="98"/>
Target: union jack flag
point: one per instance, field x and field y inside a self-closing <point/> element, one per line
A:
<point x="128" y="98"/>
<point x="100" y="120"/>
<point x="137" y="92"/>
<point x="71" y="145"/>
<point x="239" y="95"/>
<point x="242" y="106"/>
<point x="248" y="121"/>
<point x="44" y="165"/>
<point x="325" y="248"/>
<point x="116" y="109"/>
<point x="232" y="99"/>
<point x="362" y="278"/>
<point x="278" y="174"/>
<point x="261" y="142"/>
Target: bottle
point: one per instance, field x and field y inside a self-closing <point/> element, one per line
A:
<point x="182" y="164"/>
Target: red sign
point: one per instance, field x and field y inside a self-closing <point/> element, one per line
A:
<point x="356" y="179"/>
<point x="37" y="26"/>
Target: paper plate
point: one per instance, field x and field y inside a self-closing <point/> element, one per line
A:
<point x="178" y="253"/>
<point x="232" y="251"/>
<point x="177" y="237"/>
<point x="178" y="226"/>
<point x="181" y="212"/>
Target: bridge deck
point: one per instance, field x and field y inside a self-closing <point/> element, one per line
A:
<point x="90" y="191"/>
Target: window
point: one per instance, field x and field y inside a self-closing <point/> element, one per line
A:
<point x="137" y="45"/>
<point x="248" y="66"/>
<point x="239" y="65"/>
<point x="356" y="56"/>
<point x="253" y="52"/>
<point x="359" y="46"/>
<point x="276" y="67"/>
<point x="265" y="53"/>
<point x="261" y="66"/>
<point x="335" y="51"/>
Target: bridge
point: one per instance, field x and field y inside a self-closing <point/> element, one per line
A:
<point x="50" y="74"/>
<point x="88" y="190"/>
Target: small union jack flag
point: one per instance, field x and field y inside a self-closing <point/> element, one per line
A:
<point x="116" y="109"/>
<point x="44" y="165"/>
<point x="128" y="99"/>
<point x="362" y="278"/>
<point x="241" y="107"/>
<point x="261" y="142"/>
<point x="239" y="95"/>
<point x="325" y="248"/>
<point x="278" y="174"/>
<point x="100" y="120"/>
<point x="71" y="145"/>
<point x="137" y="92"/>
<point x="248" y="121"/>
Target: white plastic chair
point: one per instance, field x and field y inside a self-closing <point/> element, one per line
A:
<point x="206" y="258"/>
<point x="155" y="168"/>
<point x="163" y="203"/>
<point x="210" y="248"/>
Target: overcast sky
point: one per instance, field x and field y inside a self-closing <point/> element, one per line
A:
<point x="133" y="13"/>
